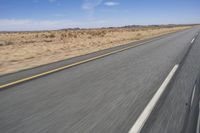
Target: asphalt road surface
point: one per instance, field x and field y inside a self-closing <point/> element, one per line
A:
<point x="108" y="94"/>
<point x="172" y="114"/>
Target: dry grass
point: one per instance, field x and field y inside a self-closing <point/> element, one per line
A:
<point x="29" y="49"/>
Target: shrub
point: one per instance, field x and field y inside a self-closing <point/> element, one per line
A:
<point x="36" y="36"/>
<point x="52" y="35"/>
<point x="138" y="34"/>
<point x="3" y="43"/>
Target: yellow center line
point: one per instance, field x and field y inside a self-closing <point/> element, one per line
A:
<point x="68" y="66"/>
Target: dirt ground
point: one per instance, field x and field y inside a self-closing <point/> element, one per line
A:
<point x="22" y="50"/>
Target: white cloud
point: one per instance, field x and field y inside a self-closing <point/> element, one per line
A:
<point x="111" y="3"/>
<point x="90" y="4"/>
<point x="29" y="24"/>
<point x="13" y="22"/>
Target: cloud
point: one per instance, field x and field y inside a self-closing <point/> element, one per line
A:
<point x="32" y="25"/>
<point x="29" y="24"/>
<point x="90" y="4"/>
<point x="111" y="3"/>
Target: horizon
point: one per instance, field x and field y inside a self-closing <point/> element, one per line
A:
<point x="39" y="15"/>
<point x="114" y="27"/>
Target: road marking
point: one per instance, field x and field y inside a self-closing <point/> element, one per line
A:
<point x="138" y="125"/>
<point x="192" y="40"/>
<point x="193" y="92"/>
<point x="71" y="65"/>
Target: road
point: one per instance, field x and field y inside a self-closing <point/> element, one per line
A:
<point x="108" y="94"/>
<point x="172" y="113"/>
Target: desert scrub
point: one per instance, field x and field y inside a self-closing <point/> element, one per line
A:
<point x="36" y="36"/>
<point x="52" y="35"/>
<point x="138" y="34"/>
<point x="72" y="35"/>
<point x="63" y="36"/>
<point x="31" y="41"/>
<point x="4" y="43"/>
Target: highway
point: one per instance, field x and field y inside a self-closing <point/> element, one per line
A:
<point x="107" y="94"/>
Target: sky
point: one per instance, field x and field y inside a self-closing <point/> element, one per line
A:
<point x="23" y="15"/>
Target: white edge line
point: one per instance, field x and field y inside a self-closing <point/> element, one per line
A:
<point x="138" y="125"/>
<point x="192" y="40"/>
<point x="193" y="95"/>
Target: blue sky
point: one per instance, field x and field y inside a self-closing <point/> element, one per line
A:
<point x="58" y="14"/>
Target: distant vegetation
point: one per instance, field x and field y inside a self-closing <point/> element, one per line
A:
<point x="20" y="50"/>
